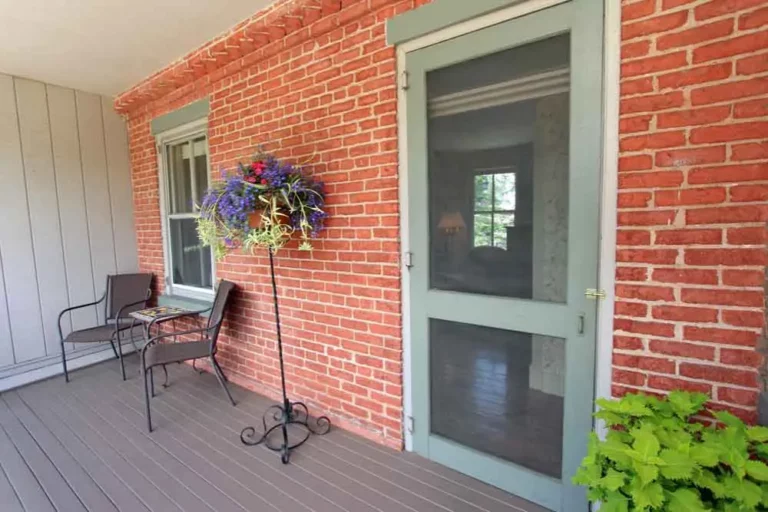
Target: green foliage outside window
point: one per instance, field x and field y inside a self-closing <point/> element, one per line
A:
<point x="494" y="208"/>
<point x="656" y="458"/>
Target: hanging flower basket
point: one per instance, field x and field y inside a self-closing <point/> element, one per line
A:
<point x="263" y="204"/>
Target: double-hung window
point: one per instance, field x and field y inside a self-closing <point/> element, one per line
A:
<point x="494" y="206"/>
<point x="189" y="266"/>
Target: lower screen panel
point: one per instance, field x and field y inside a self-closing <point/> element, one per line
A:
<point x="499" y="392"/>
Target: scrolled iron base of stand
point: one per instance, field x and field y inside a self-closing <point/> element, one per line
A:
<point x="281" y="416"/>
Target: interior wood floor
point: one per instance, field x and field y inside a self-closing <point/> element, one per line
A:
<point x="83" y="446"/>
<point x="481" y="397"/>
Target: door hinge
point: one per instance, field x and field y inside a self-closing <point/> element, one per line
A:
<point x="594" y="293"/>
<point x="409" y="424"/>
<point x="408" y="259"/>
<point x="404" y="80"/>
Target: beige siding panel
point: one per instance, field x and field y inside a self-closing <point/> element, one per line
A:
<point x="43" y="206"/>
<point x="97" y="197"/>
<point x="72" y="208"/>
<point x="16" y="236"/>
<point x="119" y="169"/>
<point x="67" y="211"/>
<point x="6" y="341"/>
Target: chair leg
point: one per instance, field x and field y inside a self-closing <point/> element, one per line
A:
<point x="114" y="349"/>
<point x="218" y="368"/>
<point x="120" y="356"/>
<point x="144" y="372"/>
<point x="152" y="380"/>
<point x="64" y="361"/>
<point x="222" y="378"/>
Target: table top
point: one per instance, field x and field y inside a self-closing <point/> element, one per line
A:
<point x="149" y="314"/>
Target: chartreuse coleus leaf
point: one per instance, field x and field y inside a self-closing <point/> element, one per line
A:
<point x="743" y="491"/>
<point x="684" y="500"/>
<point x="677" y="465"/>
<point x="762" y="450"/>
<point x="615" y="502"/>
<point x="646" y="473"/>
<point x="757" y="434"/>
<point x="707" y="480"/>
<point x="645" y="446"/>
<point x="686" y="404"/>
<point x="703" y="455"/>
<point x="757" y="470"/>
<point x="728" y="419"/>
<point x="613" y="480"/>
<point x="616" y="450"/>
<point x="646" y="496"/>
<point x="631" y="405"/>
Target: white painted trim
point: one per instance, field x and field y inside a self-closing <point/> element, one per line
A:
<point x="405" y="288"/>
<point x="609" y="186"/>
<point x="512" y="91"/>
<point x="54" y="368"/>
<point x="607" y="267"/>
<point x="162" y="140"/>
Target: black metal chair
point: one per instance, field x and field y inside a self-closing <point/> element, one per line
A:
<point x="124" y="293"/>
<point x="160" y="354"/>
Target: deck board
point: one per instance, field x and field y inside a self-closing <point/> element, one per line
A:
<point x="84" y="446"/>
<point x="82" y="484"/>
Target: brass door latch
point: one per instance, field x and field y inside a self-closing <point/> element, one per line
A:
<point x="594" y="293"/>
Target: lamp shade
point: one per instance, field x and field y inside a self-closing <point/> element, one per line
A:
<point x="451" y="221"/>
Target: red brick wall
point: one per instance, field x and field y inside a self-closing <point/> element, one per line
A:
<point x="693" y="186"/>
<point x="315" y="80"/>
<point x="320" y="87"/>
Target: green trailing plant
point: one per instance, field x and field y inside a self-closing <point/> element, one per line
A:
<point x="655" y="457"/>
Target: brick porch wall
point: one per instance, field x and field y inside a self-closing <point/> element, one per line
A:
<point x="315" y="80"/>
<point x="693" y="186"/>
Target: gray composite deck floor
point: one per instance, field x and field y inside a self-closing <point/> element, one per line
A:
<point x="84" y="446"/>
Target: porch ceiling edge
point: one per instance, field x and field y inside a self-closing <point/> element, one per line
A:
<point x="284" y="24"/>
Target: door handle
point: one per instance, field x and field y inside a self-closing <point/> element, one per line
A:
<point x="581" y="320"/>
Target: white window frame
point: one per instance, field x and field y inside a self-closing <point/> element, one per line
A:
<point x="493" y="212"/>
<point x="185" y="132"/>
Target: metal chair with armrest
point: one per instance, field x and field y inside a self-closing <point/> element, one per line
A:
<point x="160" y="354"/>
<point x="124" y="293"/>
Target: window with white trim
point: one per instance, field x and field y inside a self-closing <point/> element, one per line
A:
<point x="494" y="206"/>
<point x="189" y="265"/>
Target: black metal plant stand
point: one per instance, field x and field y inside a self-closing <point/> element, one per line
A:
<point x="289" y="413"/>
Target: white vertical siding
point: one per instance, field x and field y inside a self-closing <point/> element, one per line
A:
<point x="67" y="212"/>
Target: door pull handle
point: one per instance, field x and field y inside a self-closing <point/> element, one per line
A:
<point x="581" y="323"/>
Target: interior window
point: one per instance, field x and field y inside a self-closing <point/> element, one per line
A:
<point x="494" y="207"/>
<point x="187" y="180"/>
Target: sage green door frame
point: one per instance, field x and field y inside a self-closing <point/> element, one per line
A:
<point x="574" y="320"/>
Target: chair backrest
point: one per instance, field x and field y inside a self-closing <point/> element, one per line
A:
<point x="218" y="310"/>
<point x="125" y="289"/>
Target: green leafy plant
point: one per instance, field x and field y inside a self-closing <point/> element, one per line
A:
<point x="656" y="458"/>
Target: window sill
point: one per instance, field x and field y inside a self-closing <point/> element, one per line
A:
<point x="185" y="302"/>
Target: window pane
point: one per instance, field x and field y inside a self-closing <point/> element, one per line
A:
<point x="191" y="261"/>
<point x="483" y="192"/>
<point x="502" y="221"/>
<point x="179" y="178"/>
<point x="201" y="167"/>
<point x="483" y="229"/>
<point x="504" y="191"/>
